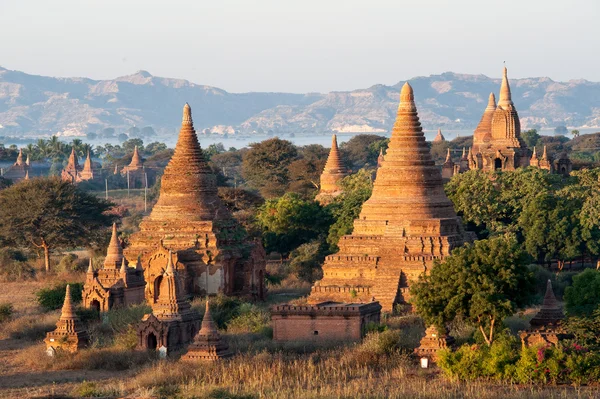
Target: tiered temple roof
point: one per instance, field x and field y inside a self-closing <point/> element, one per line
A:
<point x="333" y="173"/>
<point x="70" y="333"/>
<point x="406" y="224"/>
<point x="551" y="312"/>
<point x="190" y="219"/>
<point x="208" y="343"/>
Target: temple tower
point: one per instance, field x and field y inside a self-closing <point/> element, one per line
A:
<point x="88" y="171"/>
<point x="448" y="167"/>
<point x="135" y="171"/>
<point x="439" y="138"/>
<point x="75" y="173"/>
<point x="210" y="248"/>
<point x="333" y="173"/>
<point x="19" y="170"/>
<point x="208" y="343"/>
<point x="406" y="224"/>
<point x="70" y="333"/>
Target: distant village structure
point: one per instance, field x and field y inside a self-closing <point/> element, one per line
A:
<point x="172" y="323"/>
<point x="406" y="224"/>
<point x="74" y="173"/>
<point x="19" y="170"/>
<point x="115" y="284"/>
<point x="326" y="321"/>
<point x="497" y="142"/>
<point x="70" y="334"/>
<point x="210" y="249"/>
<point x="332" y="175"/>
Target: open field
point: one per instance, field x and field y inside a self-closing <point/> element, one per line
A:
<point x="380" y="367"/>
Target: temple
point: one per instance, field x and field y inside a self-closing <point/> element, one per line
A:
<point x="546" y="325"/>
<point x="70" y="334"/>
<point x="209" y="247"/>
<point x="433" y="341"/>
<point x="208" y="343"/>
<point x="19" y="170"/>
<point x="172" y="323"/>
<point x="439" y="138"/>
<point x="332" y="175"/>
<point x="74" y="173"/>
<point x="115" y="284"/>
<point x="135" y="171"/>
<point x="406" y="224"/>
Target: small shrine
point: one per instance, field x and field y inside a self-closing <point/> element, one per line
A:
<point x="70" y="334"/>
<point x="432" y="342"/>
<point x="208" y="343"/>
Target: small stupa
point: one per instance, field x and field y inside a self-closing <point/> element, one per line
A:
<point x="333" y="173"/>
<point x="432" y="342"/>
<point x="208" y="343"/>
<point x="546" y="325"/>
<point x="439" y="138"/>
<point x="448" y="166"/>
<point x="135" y="171"/>
<point x="70" y="334"/>
<point x="19" y="170"/>
<point x="380" y="158"/>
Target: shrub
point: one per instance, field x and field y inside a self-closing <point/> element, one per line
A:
<point x="583" y="297"/>
<point x="30" y="327"/>
<point x="6" y="311"/>
<point x="89" y="389"/>
<point x="53" y="298"/>
<point x="71" y="263"/>
<point x="14" y="265"/>
<point x="250" y="319"/>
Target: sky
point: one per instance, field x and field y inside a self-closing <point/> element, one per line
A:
<point x="300" y="45"/>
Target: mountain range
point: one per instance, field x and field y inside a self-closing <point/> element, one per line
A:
<point x="35" y="105"/>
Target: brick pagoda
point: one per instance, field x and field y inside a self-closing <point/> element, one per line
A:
<point x="406" y="224"/>
<point x="210" y="248"/>
<point x="115" y="284"/>
<point x="439" y="138"/>
<point x="172" y="323"/>
<point x="70" y="334"/>
<point x="208" y="344"/>
<point x="74" y="173"/>
<point x="135" y="171"/>
<point x="19" y="170"/>
<point x="333" y="173"/>
<point x="432" y="342"/>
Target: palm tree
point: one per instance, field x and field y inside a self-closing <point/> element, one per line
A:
<point x="43" y="148"/>
<point x="77" y="144"/>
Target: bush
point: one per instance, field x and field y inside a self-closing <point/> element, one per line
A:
<point x="71" y="263"/>
<point x="6" y="311"/>
<point x="560" y="281"/>
<point x="250" y="319"/>
<point x="583" y="297"/>
<point x="14" y="265"/>
<point x="53" y="298"/>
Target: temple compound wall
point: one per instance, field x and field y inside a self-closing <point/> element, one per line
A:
<point x="326" y="321"/>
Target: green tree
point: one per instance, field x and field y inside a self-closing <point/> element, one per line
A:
<point x="290" y="221"/>
<point x="306" y="260"/>
<point x="575" y="133"/>
<point x="155" y="147"/>
<point x="363" y="149"/>
<point x="130" y="145"/>
<point x="345" y="208"/>
<point x="49" y="214"/>
<point x="483" y="283"/>
<point x="265" y="166"/>
<point x="583" y="296"/>
<point x="530" y="137"/>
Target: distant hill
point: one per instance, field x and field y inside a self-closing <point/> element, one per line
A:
<point x="32" y="104"/>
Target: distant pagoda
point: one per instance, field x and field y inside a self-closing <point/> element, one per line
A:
<point x="135" y="171"/>
<point x="406" y="224"/>
<point x="439" y="138"/>
<point x="19" y="170"/>
<point x="332" y="175"/>
<point x="74" y="173"/>
<point x="209" y="247"/>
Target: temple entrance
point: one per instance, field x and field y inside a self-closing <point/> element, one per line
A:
<point x="497" y="164"/>
<point x="151" y="342"/>
<point x="95" y="305"/>
<point x="563" y="170"/>
<point x="157" y="283"/>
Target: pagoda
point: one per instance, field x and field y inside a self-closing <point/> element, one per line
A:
<point x="439" y="138"/>
<point x="135" y="171"/>
<point x="74" y="173"/>
<point x="209" y="247"/>
<point x="332" y="175"/>
<point x="20" y="169"/>
<point x="70" y="334"/>
<point x="208" y="343"/>
<point x="115" y="284"/>
<point x="434" y="341"/>
<point x="546" y="325"/>
<point x="172" y="323"/>
<point x="406" y="224"/>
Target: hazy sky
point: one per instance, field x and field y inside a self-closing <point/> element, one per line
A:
<point x="300" y="45"/>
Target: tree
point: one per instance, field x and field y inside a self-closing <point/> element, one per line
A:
<point x="133" y="131"/>
<point x="483" y="283"/>
<point x="345" y="208"/>
<point x="363" y="149"/>
<point x="560" y="129"/>
<point x="530" y="137"/>
<point x="48" y="214"/>
<point x="265" y="166"/>
<point x="130" y="145"/>
<point x="575" y="133"/>
<point x="290" y="221"/>
<point x="155" y="147"/>
<point x="583" y="296"/>
<point x="306" y="260"/>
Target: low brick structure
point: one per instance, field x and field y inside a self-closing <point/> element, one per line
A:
<point x="433" y="341"/>
<point x="325" y="321"/>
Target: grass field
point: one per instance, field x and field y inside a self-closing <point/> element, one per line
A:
<point x="379" y="367"/>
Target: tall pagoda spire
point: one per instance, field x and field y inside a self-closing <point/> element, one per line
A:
<point x="27" y="161"/>
<point x="409" y="184"/>
<point x="380" y="158"/>
<point x="439" y="137"/>
<point x="448" y="157"/>
<point x="545" y="155"/>
<point x="20" y="158"/>
<point x="70" y="333"/>
<point x="483" y="132"/>
<point x="114" y="253"/>
<point x="73" y="161"/>
<point x="188" y="186"/>
<point x="87" y="166"/>
<point x="136" y="160"/>
<point x="551" y="312"/>
<point x="505" y="100"/>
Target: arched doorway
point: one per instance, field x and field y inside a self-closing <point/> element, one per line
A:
<point x="563" y="170"/>
<point x="151" y="342"/>
<point x="497" y="164"/>
<point x="157" y="283"/>
<point x="95" y="305"/>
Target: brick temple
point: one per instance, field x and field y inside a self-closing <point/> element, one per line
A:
<point x="75" y="173"/>
<point x="70" y="334"/>
<point x="406" y="224"/>
<point x="20" y="169"/>
<point x="115" y="284"/>
<point x="326" y="321"/>
<point x="210" y="248"/>
<point x="332" y="175"/>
